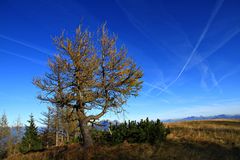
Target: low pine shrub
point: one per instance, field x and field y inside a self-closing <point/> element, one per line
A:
<point x="145" y="131"/>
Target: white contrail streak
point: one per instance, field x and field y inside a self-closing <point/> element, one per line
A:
<point x="158" y="87"/>
<point x="135" y="23"/>
<point x="24" y="44"/>
<point x="192" y="53"/>
<point x="23" y="57"/>
<point x="221" y="44"/>
<point x="213" y="15"/>
<point x="232" y="72"/>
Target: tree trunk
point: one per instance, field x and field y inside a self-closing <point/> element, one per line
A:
<point x="57" y="139"/>
<point x="68" y="138"/>
<point x="87" y="138"/>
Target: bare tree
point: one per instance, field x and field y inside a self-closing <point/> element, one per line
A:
<point x="19" y="129"/>
<point x="91" y="76"/>
<point x="48" y="132"/>
<point x="15" y="139"/>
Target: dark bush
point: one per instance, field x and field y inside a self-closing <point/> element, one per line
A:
<point x="145" y="131"/>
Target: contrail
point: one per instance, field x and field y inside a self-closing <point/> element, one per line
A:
<point x="229" y="35"/>
<point x="157" y="87"/>
<point x="213" y="15"/>
<point x="220" y="45"/>
<point x="232" y="72"/>
<point x="215" y="82"/>
<point x="23" y="57"/>
<point x="135" y="23"/>
<point x="24" y="44"/>
<point x="138" y="26"/>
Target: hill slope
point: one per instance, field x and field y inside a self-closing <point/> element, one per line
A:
<point x="197" y="140"/>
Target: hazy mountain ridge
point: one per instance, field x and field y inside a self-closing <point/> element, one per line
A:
<point x="192" y="118"/>
<point x="104" y="124"/>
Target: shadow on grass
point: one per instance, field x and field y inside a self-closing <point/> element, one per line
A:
<point x="170" y="150"/>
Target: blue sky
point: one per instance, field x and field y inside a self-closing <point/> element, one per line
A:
<point x="189" y="52"/>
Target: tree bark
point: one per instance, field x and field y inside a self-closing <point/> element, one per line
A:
<point x="57" y="139"/>
<point x="87" y="138"/>
<point x="68" y="139"/>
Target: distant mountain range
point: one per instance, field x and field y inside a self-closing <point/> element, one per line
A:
<point x="192" y="118"/>
<point x="104" y="124"/>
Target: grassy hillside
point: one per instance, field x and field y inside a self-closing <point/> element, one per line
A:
<point x="196" y="140"/>
<point x="219" y="131"/>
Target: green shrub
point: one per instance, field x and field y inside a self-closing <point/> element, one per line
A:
<point x="145" y="131"/>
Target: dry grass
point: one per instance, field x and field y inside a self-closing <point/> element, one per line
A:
<point x="223" y="132"/>
<point x="195" y="140"/>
